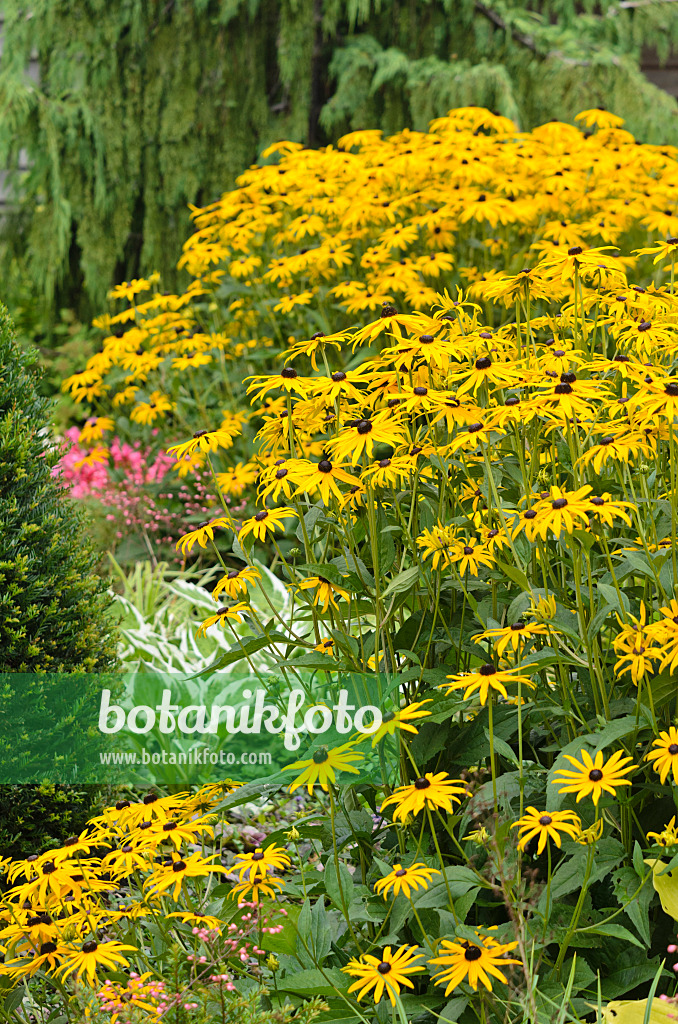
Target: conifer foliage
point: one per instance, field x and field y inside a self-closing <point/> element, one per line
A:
<point x="53" y="608"/>
<point x="145" y="106"/>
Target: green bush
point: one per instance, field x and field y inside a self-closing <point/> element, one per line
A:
<point x="54" y="612"/>
<point x="40" y="817"/>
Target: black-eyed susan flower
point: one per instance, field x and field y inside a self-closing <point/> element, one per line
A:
<point x="547" y="825"/>
<point x="93" y="956"/>
<point x="472" y="962"/>
<point x="178" y="831"/>
<point x="437" y="544"/>
<point x="401" y="719"/>
<point x="668" y="836"/>
<point x="155" y="408"/>
<point x="428" y="791"/>
<point x="177" y="871"/>
<point x="253" y="891"/>
<point x="594" y="777"/>
<point x="203" y="533"/>
<point x="385" y="975"/>
<point x="47" y="956"/>
<point x="483" y="679"/>
<point x="562" y="510"/>
<point x="325" y="593"/>
<point x="416" y="876"/>
<point x="322" y="478"/>
<point x="665" y="756"/>
<point x="321" y="768"/>
<point x="236" y="582"/>
<point x="205" y="441"/>
<point x="258" y="865"/>
<point x="268" y="520"/>
<point x="288" y="379"/>
<point x="514" y="635"/>
<point x="222" y="616"/>
<point x="361" y="435"/>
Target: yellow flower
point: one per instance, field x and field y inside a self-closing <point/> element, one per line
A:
<point x="486" y="677"/>
<point x="546" y="825"/>
<point x="236" y="582"/>
<point x="322" y="767"/>
<point x="206" y="441"/>
<point x="473" y="962"/>
<point x="268" y="520"/>
<point x="222" y="616"/>
<point x="93" y="955"/>
<point x="257" y="866"/>
<point x="326" y="592"/>
<point x="428" y="791"/>
<point x="252" y="890"/>
<point x="156" y="406"/>
<point x="94" y="429"/>
<point x="512" y="636"/>
<point x="201" y="535"/>
<point x="401" y="719"/>
<point x="665" y="757"/>
<point x="383" y="975"/>
<point x="174" y="874"/>
<point x="668" y="836"/>
<point x="593" y="777"/>
<point x="415" y="877"/>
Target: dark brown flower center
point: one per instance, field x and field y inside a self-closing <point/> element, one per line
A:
<point x="325" y="466"/>
<point x="484" y="363"/>
<point x="179" y="865"/>
<point x="321" y="756"/>
<point x="545" y="820"/>
<point x="595" y="775"/>
<point x="90" y="947"/>
<point x="48" y="947"/>
<point x="338" y="376"/>
<point x="401" y="872"/>
<point x="260" y="516"/>
<point x="673" y="749"/>
<point x="576" y="250"/>
<point x="559" y="503"/>
<point x="258" y="855"/>
<point x="383" y="967"/>
<point x="473" y="953"/>
<point x="363" y="426"/>
<point x="289" y="373"/>
<point x="487" y="670"/>
<point x="422" y="783"/>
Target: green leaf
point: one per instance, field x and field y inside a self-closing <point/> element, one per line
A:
<point x="314" y="936"/>
<point x="460" y="881"/>
<point x="332" y="884"/>
<point x="314" y="982"/>
<point x="617" y="931"/>
<point x="403" y="581"/>
<point x="626" y="883"/>
<point x="243" y="650"/>
<point x="501" y="747"/>
<point x="515" y="574"/>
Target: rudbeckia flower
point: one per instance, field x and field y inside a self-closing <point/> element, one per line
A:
<point x="594" y="777"/>
<point x="384" y="973"/>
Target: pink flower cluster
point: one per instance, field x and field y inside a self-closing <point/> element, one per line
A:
<point x="123" y="482"/>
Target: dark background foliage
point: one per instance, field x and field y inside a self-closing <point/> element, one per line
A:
<point x="141" y="107"/>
